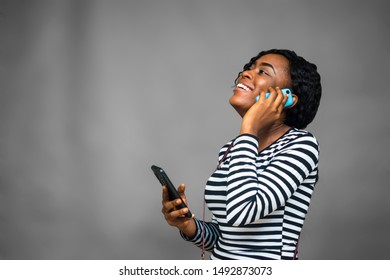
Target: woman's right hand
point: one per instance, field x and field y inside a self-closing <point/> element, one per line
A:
<point x="175" y="217"/>
<point x="264" y="113"/>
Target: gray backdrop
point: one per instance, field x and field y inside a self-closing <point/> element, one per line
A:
<point x="94" y="92"/>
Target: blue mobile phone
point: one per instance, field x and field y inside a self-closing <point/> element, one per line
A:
<point x="285" y="91"/>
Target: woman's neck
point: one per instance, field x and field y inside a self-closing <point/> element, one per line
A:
<point x="269" y="136"/>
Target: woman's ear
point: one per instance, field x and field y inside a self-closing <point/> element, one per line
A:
<point x="295" y="101"/>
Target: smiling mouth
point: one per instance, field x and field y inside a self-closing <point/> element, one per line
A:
<point x="242" y="86"/>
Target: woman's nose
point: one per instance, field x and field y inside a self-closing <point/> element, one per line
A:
<point x="247" y="74"/>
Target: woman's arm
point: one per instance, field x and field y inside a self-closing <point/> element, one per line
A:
<point x="211" y="234"/>
<point x="251" y="197"/>
<point x="190" y="228"/>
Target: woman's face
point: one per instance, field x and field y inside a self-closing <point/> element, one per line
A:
<point x="270" y="70"/>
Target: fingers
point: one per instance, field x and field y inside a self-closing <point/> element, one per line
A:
<point x="277" y="96"/>
<point x="165" y="195"/>
<point x="173" y="216"/>
<point x="181" y="189"/>
<point x="281" y="99"/>
<point x="261" y="97"/>
<point x="257" y="93"/>
<point x="169" y="206"/>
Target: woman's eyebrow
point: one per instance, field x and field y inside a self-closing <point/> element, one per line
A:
<point x="268" y="65"/>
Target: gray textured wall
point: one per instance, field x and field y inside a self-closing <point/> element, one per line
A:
<point x="94" y="92"/>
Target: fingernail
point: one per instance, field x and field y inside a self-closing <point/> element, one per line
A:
<point x="178" y="201"/>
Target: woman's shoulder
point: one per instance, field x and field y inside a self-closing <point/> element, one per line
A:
<point x="296" y="138"/>
<point x="299" y="138"/>
<point x="300" y="134"/>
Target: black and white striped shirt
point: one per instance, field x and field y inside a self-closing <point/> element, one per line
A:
<point x="259" y="200"/>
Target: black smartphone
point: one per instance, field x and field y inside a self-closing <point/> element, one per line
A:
<point x="173" y="193"/>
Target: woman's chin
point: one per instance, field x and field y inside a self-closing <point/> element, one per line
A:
<point x="241" y="105"/>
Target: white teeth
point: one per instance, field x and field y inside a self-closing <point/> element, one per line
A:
<point x="243" y="87"/>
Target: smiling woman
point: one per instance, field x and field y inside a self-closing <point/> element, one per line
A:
<point x="258" y="79"/>
<point x="283" y="68"/>
<point x="261" y="190"/>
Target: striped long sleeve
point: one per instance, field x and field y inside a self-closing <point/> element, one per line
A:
<point x="250" y="196"/>
<point x="259" y="200"/>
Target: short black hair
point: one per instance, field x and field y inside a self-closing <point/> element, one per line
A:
<point x="306" y="84"/>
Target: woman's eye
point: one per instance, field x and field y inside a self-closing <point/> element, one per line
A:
<point x="262" y="72"/>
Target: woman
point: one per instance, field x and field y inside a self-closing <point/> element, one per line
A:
<point x="261" y="190"/>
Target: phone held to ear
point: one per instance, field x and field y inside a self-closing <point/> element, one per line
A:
<point x="290" y="100"/>
<point x="173" y="193"/>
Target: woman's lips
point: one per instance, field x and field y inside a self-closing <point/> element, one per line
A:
<point x="244" y="87"/>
